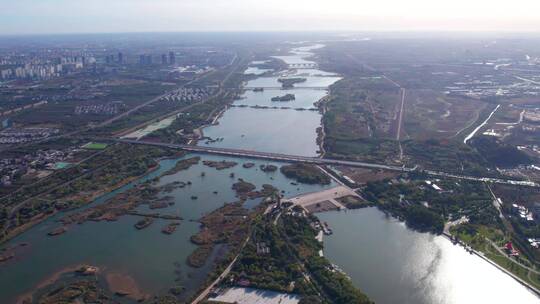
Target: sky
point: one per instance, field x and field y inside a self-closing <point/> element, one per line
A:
<point x="96" y="16"/>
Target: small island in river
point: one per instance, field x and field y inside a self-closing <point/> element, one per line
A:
<point x="284" y="98"/>
<point x="219" y="165"/>
<point x="268" y="168"/>
<point x="147" y="221"/>
<point x="288" y="83"/>
<point x="170" y="228"/>
<point x="305" y="173"/>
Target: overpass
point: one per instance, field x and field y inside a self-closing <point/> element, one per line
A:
<point x="306" y="65"/>
<point x="319" y="161"/>
<point x="265" y="155"/>
<point x="282" y="88"/>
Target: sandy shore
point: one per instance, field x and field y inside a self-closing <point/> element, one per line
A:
<point x="123" y="284"/>
<point x="27" y="297"/>
<point x="89" y="198"/>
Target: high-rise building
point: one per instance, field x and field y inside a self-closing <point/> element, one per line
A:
<point x="145" y="59"/>
<point x="109" y="59"/>
<point x="172" y="58"/>
<point x="120" y="57"/>
<point x="163" y="59"/>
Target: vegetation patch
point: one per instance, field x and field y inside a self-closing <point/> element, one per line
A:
<point x="268" y="168"/>
<point x="227" y="224"/>
<point x="182" y="165"/>
<point x="305" y="173"/>
<point x="498" y="153"/>
<point x="242" y="187"/>
<point x="95" y="146"/>
<point x="448" y="156"/>
<point x="425" y="204"/>
<point x="288" y="83"/>
<point x="78" y="185"/>
<point x="279" y="257"/>
<point x="220" y="165"/>
<point x="353" y="202"/>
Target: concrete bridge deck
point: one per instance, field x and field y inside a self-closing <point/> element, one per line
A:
<point x="320" y="161"/>
<point x="284" y="89"/>
<point x="309" y="200"/>
<point x="265" y="155"/>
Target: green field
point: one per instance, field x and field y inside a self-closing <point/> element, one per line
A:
<point x="94" y="146"/>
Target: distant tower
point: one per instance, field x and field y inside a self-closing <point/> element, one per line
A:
<point x="107" y="59"/>
<point x="120" y="57"/>
<point x="142" y="59"/>
<point x="172" y="58"/>
<point x="149" y="59"/>
<point x="163" y="59"/>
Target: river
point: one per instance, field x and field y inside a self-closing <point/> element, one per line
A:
<point x="387" y="261"/>
<point x="146" y="255"/>
<point x="289" y="131"/>
<point x="393" y="264"/>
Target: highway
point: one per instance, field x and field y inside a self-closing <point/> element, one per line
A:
<point x="400" y="115"/>
<point x="480" y="126"/>
<point x="318" y="161"/>
<point x="220" y="278"/>
<point x="282" y="88"/>
<point x="265" y="155"/>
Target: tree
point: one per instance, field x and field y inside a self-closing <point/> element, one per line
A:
<point x="310" y="300"/>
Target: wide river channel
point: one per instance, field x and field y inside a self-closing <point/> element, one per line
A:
<point x="387" y="261"/>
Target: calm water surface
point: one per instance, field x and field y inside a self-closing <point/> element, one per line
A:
<point x="311" y="81"/>
<point x="393" y="264"/>
<point x="304" y="98"/>
<point x="389" y="262"/>
<point x="147" y="255"/>
<point x="268" y="130"/>
<point x="276" y="130"/>
<point x="256" y="71"/>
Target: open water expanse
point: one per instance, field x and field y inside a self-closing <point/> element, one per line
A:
<point x="146" y="255"/>
<point x="385" y="259"/>
<point x="288" y="131"/>
<point x="393" y="264"/>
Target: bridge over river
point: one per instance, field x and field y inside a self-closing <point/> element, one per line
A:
<point x="282" y="88"/>
<point x="319" y="161"/>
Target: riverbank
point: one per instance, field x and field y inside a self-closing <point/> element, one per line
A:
<point x="448" y="237"/>
<point x="480" y="254"/>
<point x="53" y="278"/>
<point x="83" y="201"/>
<point x="283" y="256"/>
<point x="380" y="253"/>
<point x="199" y="132"/>
<point x="124" y="285"/>
<point x="245" y="126"/>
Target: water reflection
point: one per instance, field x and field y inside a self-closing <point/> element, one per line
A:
<point x="276" y="130"/>
<point x="304" y="98"/>
<point x="268" y="130"/>
<point x="393" y="264"/>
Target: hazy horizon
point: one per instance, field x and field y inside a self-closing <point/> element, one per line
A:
<point x="124" y="16"/>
